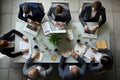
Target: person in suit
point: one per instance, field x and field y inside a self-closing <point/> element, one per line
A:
<point x="7" y="44"/>
<point x="32" y="13"/>
<point x="59" y="15"/>
<point x="92" y="13"/>
<point x="34" y="71"/>
<point x="72" y="72"/>
<point x="105" y="63"/>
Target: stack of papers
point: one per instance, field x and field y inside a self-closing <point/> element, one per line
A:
<point x="80" y="50"/>
<point x="97" y="55"/>
<point x="66" y="53"/>
<point x="25" y="45"/>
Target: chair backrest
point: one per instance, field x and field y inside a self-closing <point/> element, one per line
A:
<point x="64" y="4"/>
<point x="41" y="6"/>
<point x="86" y="2"/>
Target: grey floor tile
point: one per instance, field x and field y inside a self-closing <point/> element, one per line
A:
<point x="73" y="5"/>
<point x="116" y="22"/>
<point x="5" y="23"/>
<point x="109" y="21"/>
<point x="117" y="50"/>
<point x="4" y="62"/>
<point x="12" y="65"/>
<point x="14" y="19"/>
<point x="116" y="5"/>
<point x="46" y="4"/>
<point x="5" y="7"/>
<point x="15" y="5"/>
<point x="117" y="73"/>
<point x="112" y="44"/>
<point x="15" y="74"/>
<point x="4" y="74"/>
<point x="74" y="17"/>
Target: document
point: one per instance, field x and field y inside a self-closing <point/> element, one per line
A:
<point x="97" y="55"/>
<point x="40" y="57"/>
<point x="46" y="28"/>
<point x="25" y="45"/>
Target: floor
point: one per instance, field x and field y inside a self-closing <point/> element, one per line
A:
<point x="8" y="16"/>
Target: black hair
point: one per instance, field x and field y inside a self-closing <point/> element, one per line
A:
<point x="97" y="5"/>
<point x="26" y="8"/>
<point x="106" y="62"/>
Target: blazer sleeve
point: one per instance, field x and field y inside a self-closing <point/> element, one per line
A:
<point x="94" y="68"/>
<point x="81" y="15"/>
<point x="20" y="14"/>
<point x="61" y="66"/>
<point x="82" y="69"/>
<point x="108" y="52"/>
<point x="50" y="14"/>
<point x="103" y="16"/>
<point x="68" y="17"/>
<point x="49" y="70"/>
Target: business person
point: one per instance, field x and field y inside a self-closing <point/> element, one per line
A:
<point x="72" y="72"/>
<point x="59" y="15"/>
<point x="106" y="61"/>
<point x="34" y="71"/>
<point x="32" y="13"/>
<point x="7" y="44"/>
<point x="92" y="13"/>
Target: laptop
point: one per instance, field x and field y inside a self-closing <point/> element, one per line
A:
<point x="90" y="35"/>
<point x="29" y="29"/>
<point x="50" y="28"/>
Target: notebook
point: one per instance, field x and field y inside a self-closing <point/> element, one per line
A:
<point x="50" y="28"/>
<point x="25" y="45"/>
<point x="28" y="28"/>
<point x="97" y="55"/>
<point x="101" y="44"/>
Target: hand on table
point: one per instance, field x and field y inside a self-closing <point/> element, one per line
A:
<point x="86" y="28"/>
<point x="35" y="55"/>
<point x="25" y="38"/>
<point x="74" y="54"/>
<point x="94" y="29"/>
<point x="25" y="51"/>
<point x="92" y="57"/>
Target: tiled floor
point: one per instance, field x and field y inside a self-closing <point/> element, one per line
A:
<point x="8" y="16"/>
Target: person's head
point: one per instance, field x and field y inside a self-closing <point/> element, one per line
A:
<point x="97" y="5"/>
<point x="3" y="43"/>
<point x="106" y="62"/>
<point x="33" y="73"/>
<point x="58" y="9"/>
<point x="74" y="70"/>
<point x="26" y="8"/>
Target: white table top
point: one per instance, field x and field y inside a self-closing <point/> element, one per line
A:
<point x="42" y="41"/>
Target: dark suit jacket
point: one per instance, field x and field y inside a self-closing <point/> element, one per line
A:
<point x="65" y="73"/>
<point x="86" y="13"/>
<point x="10" y="37"/>
<point x="64" y="17"/>
<point x="98" y="68"/>
<point x="37" y="12"/>
<point x="43" y="73"/>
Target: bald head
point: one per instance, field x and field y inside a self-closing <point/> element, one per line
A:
<point x="33" y="73"/>
<point x="74" y="70"/>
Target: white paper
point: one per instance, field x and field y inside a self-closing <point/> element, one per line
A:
<point x="66" y="53"/>
<point x="25" y="45"/>
<point x="46" y="28"/>
<point x="97" y="55"/>
<point x="80" y="49"/>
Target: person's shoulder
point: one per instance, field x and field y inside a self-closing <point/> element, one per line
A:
<point x="87" y="6"/>
<point x="102" y="8"/>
